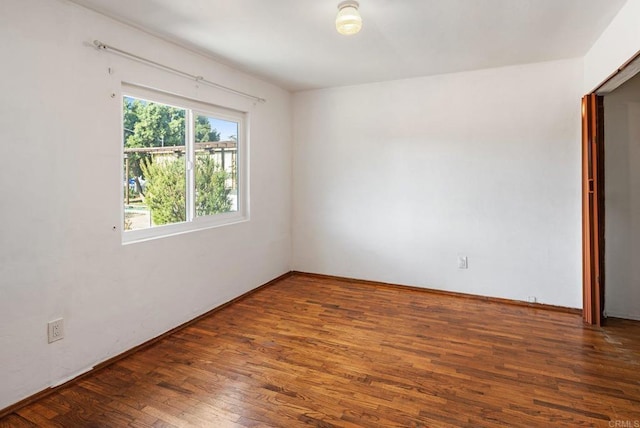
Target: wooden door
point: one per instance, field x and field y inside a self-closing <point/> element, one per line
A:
<point x="592" y="208"/>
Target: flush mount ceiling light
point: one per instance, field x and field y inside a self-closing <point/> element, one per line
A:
<point x="348" y="20"/>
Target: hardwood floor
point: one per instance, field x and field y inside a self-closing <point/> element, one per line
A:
<point x="320" y="352"/>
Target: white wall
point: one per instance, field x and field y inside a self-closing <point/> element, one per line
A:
<point x="617" y="44"/>
<point x="393" y="181"/>
<point x="622" y="200"/>
<point x="60" y="135"/>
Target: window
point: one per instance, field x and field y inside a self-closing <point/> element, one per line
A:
<point x="181" y="165"/>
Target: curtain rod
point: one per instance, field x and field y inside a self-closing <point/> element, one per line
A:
<point x="105" y="47"/>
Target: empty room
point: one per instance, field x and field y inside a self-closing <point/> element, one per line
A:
<point x="326" y="213"/>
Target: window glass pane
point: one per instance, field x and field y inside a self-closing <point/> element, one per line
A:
<point x="216" y="165"/>
<point x="154" y="164"/>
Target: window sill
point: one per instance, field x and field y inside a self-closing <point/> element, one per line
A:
<point x="165" y="231"/>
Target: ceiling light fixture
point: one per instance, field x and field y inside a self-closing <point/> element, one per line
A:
<point x="348" y="20"/>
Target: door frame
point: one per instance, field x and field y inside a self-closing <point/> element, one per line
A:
<point x="592" y="209"/>
<point x="593" y="212"/>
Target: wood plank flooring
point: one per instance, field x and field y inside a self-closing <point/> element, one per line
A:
<point x="309" y="351"/>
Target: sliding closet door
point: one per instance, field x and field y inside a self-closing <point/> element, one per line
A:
<point x="592" y="208"/>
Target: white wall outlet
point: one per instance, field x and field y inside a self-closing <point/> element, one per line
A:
<point x="533" y="299"/>
<point x="55" y="329"/>
<point x="462" y="262"/>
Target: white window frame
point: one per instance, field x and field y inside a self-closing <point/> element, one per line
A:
<point x="193" y="108"/>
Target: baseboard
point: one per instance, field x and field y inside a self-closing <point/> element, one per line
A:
<point x="41" y="394"/>
<point x="544" y="306"/>
<point x="622" y="316"/>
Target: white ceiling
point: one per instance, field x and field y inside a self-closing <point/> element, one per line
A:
<point x="294" y="44"/>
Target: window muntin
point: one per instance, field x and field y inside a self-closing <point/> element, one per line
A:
<point x="182" y="168"/>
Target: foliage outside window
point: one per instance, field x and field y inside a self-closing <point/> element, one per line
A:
<point x="180" y="163"/>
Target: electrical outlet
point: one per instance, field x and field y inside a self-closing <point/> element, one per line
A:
<point x="463" y="262"/>
<point x="533" y="299"/>
<point x="55" y="329"/>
